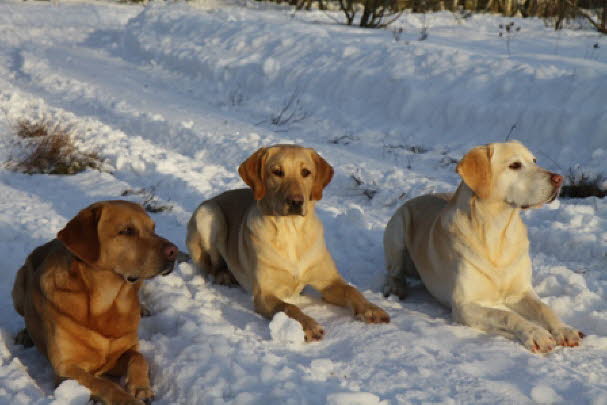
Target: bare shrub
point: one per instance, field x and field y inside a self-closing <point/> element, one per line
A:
<point x="49" y="149"/>
<point x="373" y="13"/>
<point x="291" y="112"/>
<point x="344" y="139"/>
<point x="149" y="200"/>
<point x="307" y="4"/>
<point x="508" y="31"/>
<point x="594" y="12"/>
<point x="368" y="190"/>
<point x="415" y="149"/>
<point x="582" y="185"/>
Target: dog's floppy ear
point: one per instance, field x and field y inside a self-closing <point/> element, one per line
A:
<point x="323" y="176"/>
<point x="251" y="171"/>
<point x="475" y="170"/>
<point x="80" y="236"/>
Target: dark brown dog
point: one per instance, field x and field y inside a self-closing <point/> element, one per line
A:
<point x="79" y="297"/>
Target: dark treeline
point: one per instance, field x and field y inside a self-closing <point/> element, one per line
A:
<point x="380" y="13"/>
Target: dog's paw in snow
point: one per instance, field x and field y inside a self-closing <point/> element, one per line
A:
<point x="567" y="336"/>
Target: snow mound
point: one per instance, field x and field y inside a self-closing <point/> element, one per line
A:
<point x="70" y="392"/>
<point x="286" y="330"/>
<point x="354" y="398"/>
<point x="543" y="394"/>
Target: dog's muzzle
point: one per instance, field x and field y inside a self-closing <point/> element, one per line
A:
<point x="168" y="270"/>
<point x="295" y="204"/>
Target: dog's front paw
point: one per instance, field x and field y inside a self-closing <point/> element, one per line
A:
<point x="225" y="277"/>
<point x="117" y="396"/>
<point x="395" y="286"/>
<point x="538" y="340"/>
<point x="567" y="336"/>
<point x="373" y="314"/>
<point x="313" y="332"/>
<point x="144" y="394"/>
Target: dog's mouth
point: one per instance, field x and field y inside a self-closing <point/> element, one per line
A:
<point x="168" y="269"/>
<point x="553" y="196"/>
<point x="131" y="279"/>
<point x="513" y="204"/>
<point x="295" y="211"/>
<point x="165" y="271"/>
<point x="550" y="199"/>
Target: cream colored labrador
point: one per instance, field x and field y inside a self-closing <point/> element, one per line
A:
<point x="471" y="250"/>
<point x="269" y="240"/>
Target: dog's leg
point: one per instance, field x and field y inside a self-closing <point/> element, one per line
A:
<point x="506" y="323"/>
<point x="205" y="234"/>
<point x="23" y="338"/>
<point x="101" y="389"/>
<point x="532" y="308"/>
<point x="223" y="276"/>
<point x="397" y="257"/>
<point x="344" y="295"/>
<point x="268" y="305"/>
<point x="135" y="367"/>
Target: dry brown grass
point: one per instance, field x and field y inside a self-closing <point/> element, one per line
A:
<point x="50" y="149"/>
<point x="27" y="129"/>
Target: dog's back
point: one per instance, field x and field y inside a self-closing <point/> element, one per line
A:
<point x="213" y="233"/>
<point x="29" y="273"/>
<point x="406" y="232"/>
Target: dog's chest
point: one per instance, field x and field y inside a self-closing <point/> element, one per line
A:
<point x="114" y="315"/>
<point x="298" y="251"/>
<point x="291" y="244"/>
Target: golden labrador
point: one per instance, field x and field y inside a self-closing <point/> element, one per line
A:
<point x="471" y="250"/>
<point x="79" y="297"/>
<point x="269" y="239"/>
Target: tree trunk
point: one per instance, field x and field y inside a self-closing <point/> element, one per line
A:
<point x="604" y="20"/>
<point x="364" y="19"/>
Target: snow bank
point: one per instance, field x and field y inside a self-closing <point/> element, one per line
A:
<point x="459" y="88"/>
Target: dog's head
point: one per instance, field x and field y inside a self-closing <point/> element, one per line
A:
<point x="286" y="178"/>
<point x="508" y="172"/>
<point x="119" y="236"/>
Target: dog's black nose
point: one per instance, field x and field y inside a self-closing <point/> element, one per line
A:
<point x="295" y="201"/>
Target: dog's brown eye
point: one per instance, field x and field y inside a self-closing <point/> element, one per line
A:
<point x="127" y="231"/>
<point x="278" y="172"/>
<point x="534" y="160"/>
<point x="305" y="172"/>
<point x="515" y="165"/>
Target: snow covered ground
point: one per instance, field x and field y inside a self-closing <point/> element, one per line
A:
<point x="175" y="97"/>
